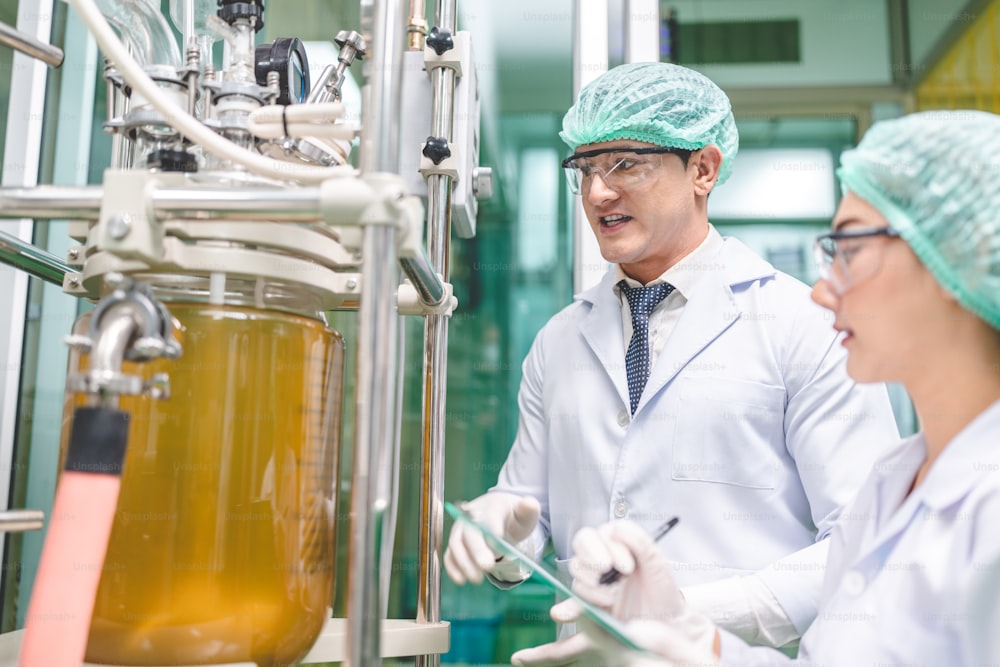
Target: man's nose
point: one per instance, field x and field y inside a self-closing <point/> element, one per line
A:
<point x="599" y="189"/>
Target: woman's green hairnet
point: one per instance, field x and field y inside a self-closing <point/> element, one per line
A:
<point x="658" y="103"/>
<point x="935" y="176"/>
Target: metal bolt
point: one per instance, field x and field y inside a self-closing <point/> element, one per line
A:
<point x="73" y="282"/>
<point x="74" y="253"/>
<point x="119" y="226"/>
<point x="273" y="79"/>
<point x="116" y="280"/>
<point x="351" y="283"/>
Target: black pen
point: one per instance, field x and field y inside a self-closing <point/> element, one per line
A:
<point x="613" y="575"/>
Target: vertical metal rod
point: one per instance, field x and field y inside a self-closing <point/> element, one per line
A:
<point x="121" y="146"/>
<point x="377" y="343"/>
<point x="375" y="401"/>
<point x="389" y="471"/>
<point x="189" y="36"/>
<point x="439" y="190"/>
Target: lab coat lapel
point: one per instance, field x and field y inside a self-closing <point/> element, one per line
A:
<point x="709" y="313"/>
<point x="710" y="310"/>
<point x="602" y="330"/>
<point x="893" y="510"/>
<point x="893" y="514"/>
<point x="970" y="455"/>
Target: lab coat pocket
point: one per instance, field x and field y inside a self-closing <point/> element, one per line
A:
<point x="921" y="644"/>
<point x="730" y="432"/>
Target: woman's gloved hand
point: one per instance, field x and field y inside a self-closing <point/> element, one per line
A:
<point x="665" y="646"/>
<point x="646" y="591"/>
<point x="468" y="556"/>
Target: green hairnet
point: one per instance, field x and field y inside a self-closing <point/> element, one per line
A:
<point x="935" y="176"/>
<point x="658" y="103"/>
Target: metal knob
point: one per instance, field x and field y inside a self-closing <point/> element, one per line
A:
<point x="352" y="45"/>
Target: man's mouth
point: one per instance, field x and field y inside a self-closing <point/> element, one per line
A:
<point x="614" y="220"/>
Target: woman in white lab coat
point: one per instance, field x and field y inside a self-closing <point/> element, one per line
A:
<point x="912" y="278"/>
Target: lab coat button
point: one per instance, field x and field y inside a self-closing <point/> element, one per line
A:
<point x="621" y="509"/>
<point x="854" y="583"/>
<point x="623" y="418"/>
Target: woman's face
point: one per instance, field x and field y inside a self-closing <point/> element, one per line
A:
<point x="889" y="308"/>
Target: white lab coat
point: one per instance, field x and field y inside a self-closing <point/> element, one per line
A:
<point x="914" y="581"/>
<point x="748" y="429"/>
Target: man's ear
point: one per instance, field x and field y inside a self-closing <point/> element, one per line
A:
<point x="707" y="162"/>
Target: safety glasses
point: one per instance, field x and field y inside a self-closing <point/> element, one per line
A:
<point x="619" y="168"/>
<point x="848" y="258"/>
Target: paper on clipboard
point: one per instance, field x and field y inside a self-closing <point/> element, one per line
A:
<point x="605" y="621"/>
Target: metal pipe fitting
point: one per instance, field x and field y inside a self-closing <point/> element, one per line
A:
<point x="28" y="45"/>
<point x="32" y="260"/>
<point x="15" y="521"/>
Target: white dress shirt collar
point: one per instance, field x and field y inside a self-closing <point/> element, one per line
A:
<point x="685" y="274"/>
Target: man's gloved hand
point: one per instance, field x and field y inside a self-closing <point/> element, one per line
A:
<point x="646" y="591"/>
<point x="509" y="516"/>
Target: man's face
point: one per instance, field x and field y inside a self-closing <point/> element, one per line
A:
<point x="646" y="225"/>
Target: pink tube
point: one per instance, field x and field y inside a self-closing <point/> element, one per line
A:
<point x="62" y="601"/>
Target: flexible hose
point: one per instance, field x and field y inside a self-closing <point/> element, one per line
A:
<point x="62" y="601"/>
<point x="301" y="121"/>
<point x="186" y="124"/>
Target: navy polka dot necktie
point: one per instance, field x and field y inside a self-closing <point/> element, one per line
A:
<point x="641" y="302"/>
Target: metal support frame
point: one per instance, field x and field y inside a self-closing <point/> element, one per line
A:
<point x="20" y="167"/>
<point x="377" y="342"/>
<point x="378" y="401"/>
<point x="439" y="193"/>
<point x="292" y="205"/>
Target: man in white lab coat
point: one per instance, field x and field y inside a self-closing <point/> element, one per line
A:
<point x="695" y="380"/>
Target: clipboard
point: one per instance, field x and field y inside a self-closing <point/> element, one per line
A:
<point x="601" y="618"/>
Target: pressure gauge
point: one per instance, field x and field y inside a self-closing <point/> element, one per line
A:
<point x="287" y="57"/>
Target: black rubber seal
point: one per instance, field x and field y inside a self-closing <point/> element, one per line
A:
<point x="97" y="441"/>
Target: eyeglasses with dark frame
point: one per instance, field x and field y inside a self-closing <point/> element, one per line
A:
<point x="838" y="256"/>
<point x="626" y="173"/>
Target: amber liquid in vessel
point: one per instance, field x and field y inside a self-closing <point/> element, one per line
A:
<point x="222" y="548"/>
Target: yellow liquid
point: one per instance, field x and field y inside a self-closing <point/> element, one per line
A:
<point x="222" y="548"/>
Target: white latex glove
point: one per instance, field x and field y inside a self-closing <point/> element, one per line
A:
<point x="659" y="639"/>
<point x="509" y="516"/>
<point x="646" y="591"/>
